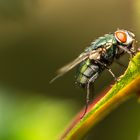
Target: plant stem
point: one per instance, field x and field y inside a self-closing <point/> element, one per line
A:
<point x="128" y="86"/>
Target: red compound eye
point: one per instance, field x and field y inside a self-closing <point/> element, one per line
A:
<point x="121" y="36"/>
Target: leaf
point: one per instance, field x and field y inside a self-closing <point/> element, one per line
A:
<point x="128" y="86"/>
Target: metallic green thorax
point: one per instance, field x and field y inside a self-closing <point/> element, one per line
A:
<point x="89" y="68"/>
<point x="102" y="41"/>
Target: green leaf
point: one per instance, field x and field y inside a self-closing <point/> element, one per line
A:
<point x="128" y="86"/>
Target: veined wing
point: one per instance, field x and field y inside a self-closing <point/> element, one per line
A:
<point x="70" y="65"/>
<point x="92" y="55"/>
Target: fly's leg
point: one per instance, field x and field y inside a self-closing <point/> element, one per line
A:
<point x="92" y="79"/>
<point x="130" y="52"/>
<point x="92" y="89"/>
<point x="109" y="70"/>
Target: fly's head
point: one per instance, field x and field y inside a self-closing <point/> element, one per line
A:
<point x="125" y="39"/>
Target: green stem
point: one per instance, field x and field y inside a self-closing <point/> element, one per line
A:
<point x="128" y="85"/>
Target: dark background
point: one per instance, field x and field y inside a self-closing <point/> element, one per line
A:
<point x="39" y="36"/>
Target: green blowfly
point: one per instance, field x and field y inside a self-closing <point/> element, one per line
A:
<point x="98" y="57"/>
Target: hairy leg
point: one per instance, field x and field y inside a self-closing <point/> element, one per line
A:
<point x="91" y="80"/>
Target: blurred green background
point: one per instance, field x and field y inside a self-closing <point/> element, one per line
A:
<point x="39" y="36"/>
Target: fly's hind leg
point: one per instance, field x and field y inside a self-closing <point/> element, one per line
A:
<point x="91" y="80"/>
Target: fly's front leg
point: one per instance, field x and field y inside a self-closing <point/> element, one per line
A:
<point x="130" y="52"/>
<point x="109" y="70"/>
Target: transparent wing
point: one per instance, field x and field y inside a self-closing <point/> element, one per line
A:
<point x="70" y="65"/>
<point x="92" y="55"/>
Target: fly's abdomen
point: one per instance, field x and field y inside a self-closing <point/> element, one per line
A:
<point x="86" y="71"/>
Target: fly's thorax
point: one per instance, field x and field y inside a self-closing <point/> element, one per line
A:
<point x="105" y="40"/>
<point x="86" y="70"/>
<point x="110" y="54"/>
<point x="103" y="48"/>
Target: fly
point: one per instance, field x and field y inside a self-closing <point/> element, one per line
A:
<point x="98" y="57"/>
